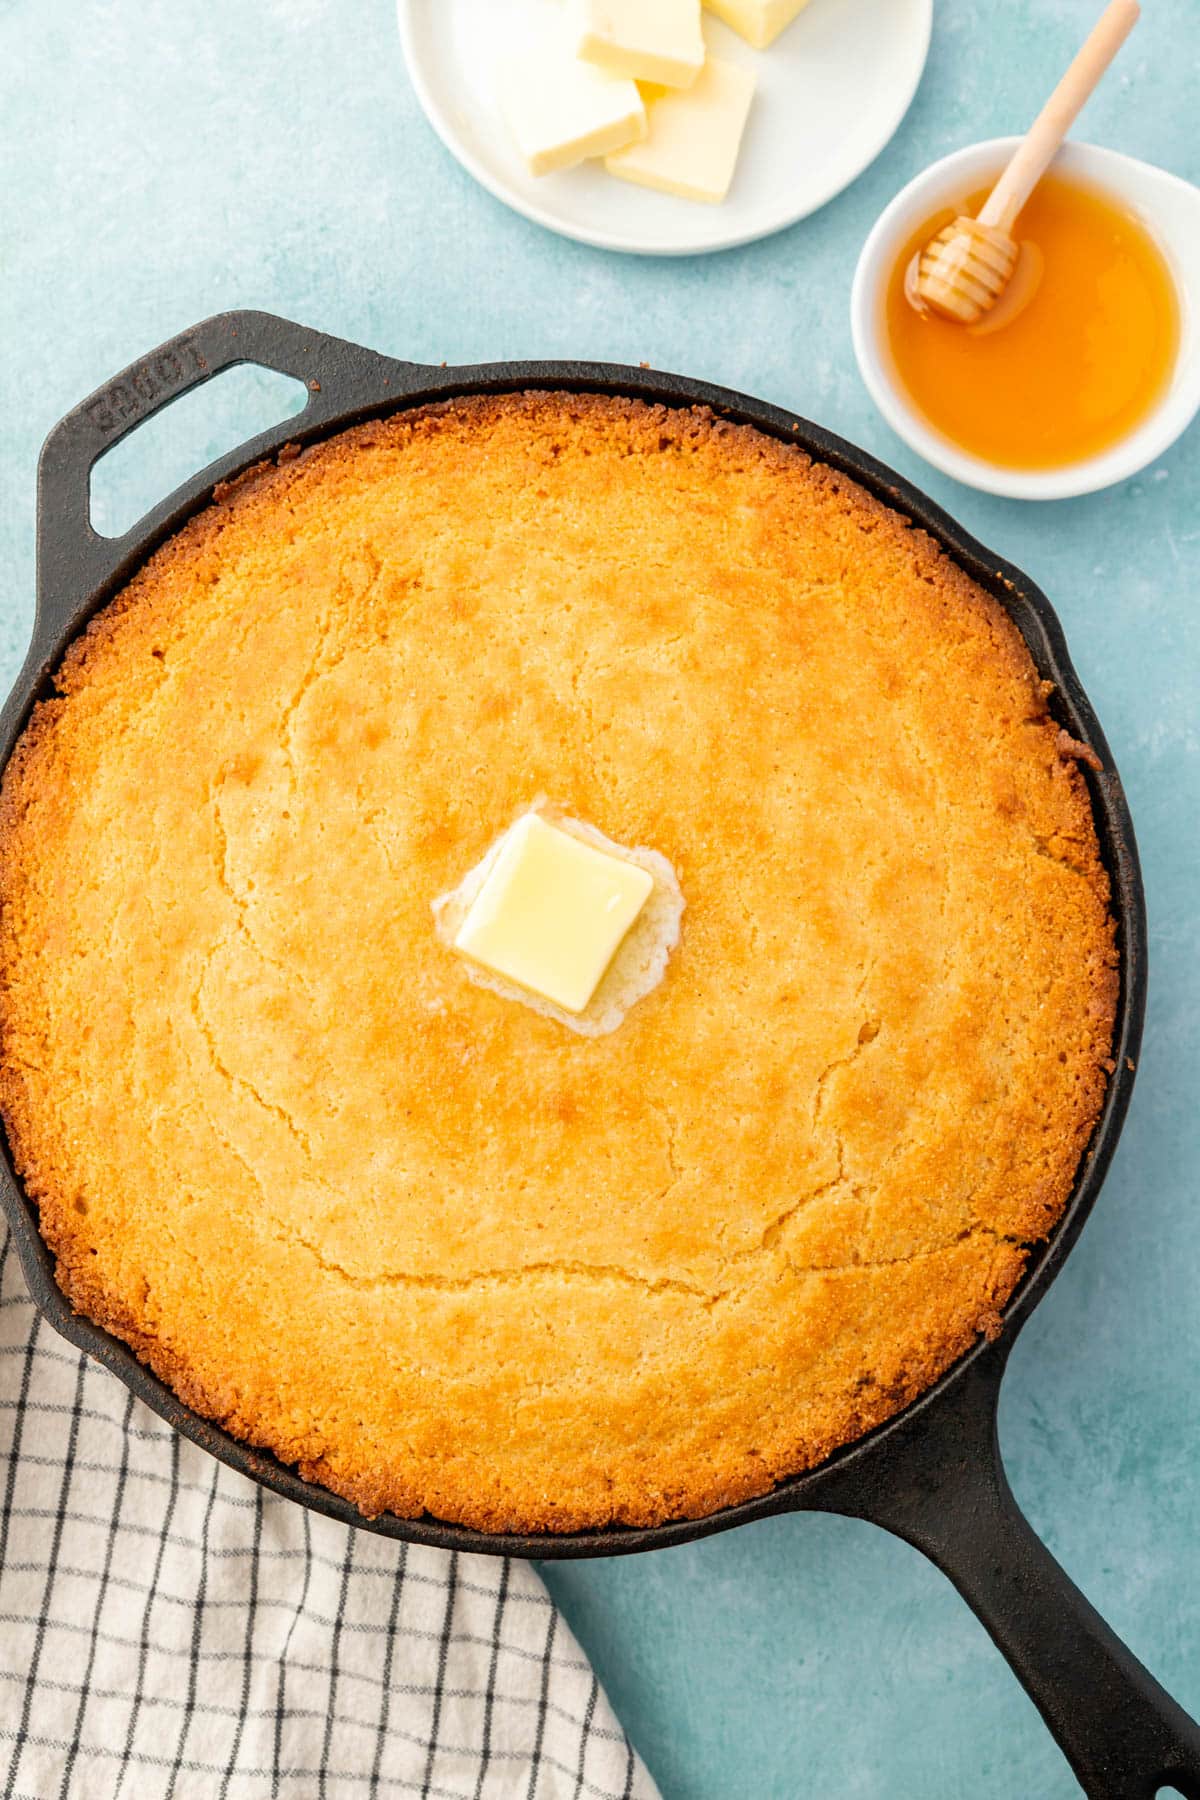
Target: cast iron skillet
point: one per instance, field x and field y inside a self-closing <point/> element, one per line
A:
<point x="932" y="1475"/>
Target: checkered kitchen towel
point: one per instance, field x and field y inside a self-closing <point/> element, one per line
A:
<point x="166" y="1628"/>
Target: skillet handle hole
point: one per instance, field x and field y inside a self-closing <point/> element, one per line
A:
<point x="187" y="435"/>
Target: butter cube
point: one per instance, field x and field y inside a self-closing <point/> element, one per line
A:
<point x="649" y="40"/>
<point x="561" y="110"/>
<point x="759" y="21"/>
<point x="552" y="912"/>
<point x="691" y="145"/>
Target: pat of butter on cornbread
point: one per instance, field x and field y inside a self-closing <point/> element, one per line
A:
<point x="647" y="40"/>
<point x="693" y="137"/>
<point x="551" y="912"/>
<point x="562" y="110"/>
<point x="564" y="920"/>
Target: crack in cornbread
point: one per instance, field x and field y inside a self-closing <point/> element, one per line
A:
<point x="434" y="1249"/>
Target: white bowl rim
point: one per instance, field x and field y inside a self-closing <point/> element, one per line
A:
<point x="1168" y="420"/>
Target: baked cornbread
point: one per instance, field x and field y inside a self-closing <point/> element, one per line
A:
<point x="432" y="1247"/>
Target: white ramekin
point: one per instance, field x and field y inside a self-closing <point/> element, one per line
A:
<point x="1171" y="209"/>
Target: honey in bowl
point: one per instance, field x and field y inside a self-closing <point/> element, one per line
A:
<point x="1075" y="354"/>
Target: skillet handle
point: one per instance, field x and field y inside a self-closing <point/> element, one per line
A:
<point x="943" y="1489"/>
<point x="73" y="559"/>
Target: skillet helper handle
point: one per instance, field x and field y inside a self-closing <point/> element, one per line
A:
<point x="945" y="1491"/>
<point x="73" y="558"/>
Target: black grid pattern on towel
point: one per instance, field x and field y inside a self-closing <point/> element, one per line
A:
<point x="168" y="1629"/>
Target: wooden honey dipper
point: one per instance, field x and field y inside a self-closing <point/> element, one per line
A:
<point x="962" y="272"/>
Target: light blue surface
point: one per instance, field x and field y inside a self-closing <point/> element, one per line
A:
<point x="163" y="159"/>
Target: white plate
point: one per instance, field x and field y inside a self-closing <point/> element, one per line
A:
<point x="831" y="92"/>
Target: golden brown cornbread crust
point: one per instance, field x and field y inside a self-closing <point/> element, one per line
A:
<point x="431" y="1247"/>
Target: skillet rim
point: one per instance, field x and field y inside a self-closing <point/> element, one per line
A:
<point x="378" y="386"/>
